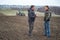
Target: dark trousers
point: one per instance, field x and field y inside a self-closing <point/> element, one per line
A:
<point x="31" y="25"/>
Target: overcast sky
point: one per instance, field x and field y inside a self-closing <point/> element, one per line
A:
<point x="31" y="2"/>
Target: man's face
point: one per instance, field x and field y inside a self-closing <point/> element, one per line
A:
<point x="46" y="8"/>
<point x="33" y="8"/>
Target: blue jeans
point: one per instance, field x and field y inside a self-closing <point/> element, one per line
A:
<point x="47" y="28"/>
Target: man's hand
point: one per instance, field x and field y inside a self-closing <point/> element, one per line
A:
<point x="35" y="16"/>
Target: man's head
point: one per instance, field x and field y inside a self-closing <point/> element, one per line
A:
<point x="46" y="8"/>
<point x="32" y="7"/>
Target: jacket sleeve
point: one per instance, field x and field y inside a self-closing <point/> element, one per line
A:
<point x="49" y="16"/>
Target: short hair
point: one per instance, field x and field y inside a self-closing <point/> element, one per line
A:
<point x="32" y="6"/>
<point x="47" y="6"/>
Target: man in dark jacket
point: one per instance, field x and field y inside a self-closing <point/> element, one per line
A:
<point x="31" y="19"/>
<point x="47" y="21"/>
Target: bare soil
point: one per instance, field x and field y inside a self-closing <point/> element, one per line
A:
<point x="16" y="28"/>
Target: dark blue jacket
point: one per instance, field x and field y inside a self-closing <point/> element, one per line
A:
<point x="31" y="15"/>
